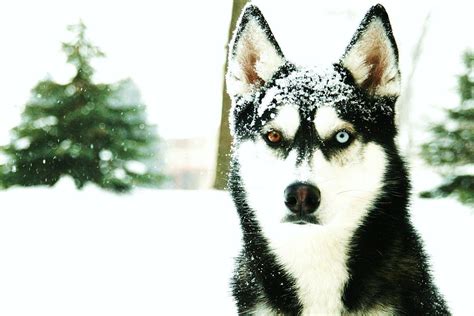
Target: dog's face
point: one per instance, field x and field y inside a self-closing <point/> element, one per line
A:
<point x="311" y="144"/>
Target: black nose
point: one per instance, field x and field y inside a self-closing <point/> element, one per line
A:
<point x="302" y="198"/>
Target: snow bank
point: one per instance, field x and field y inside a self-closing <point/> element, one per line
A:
<point x="68" y="252"/>
<point x="447" y="229"/>
<point x="64" y="252"/>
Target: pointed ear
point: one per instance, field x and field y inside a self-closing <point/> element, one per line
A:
<point x="254" y="54"/>
<point x="372" y="55"/>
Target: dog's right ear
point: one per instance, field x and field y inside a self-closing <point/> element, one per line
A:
<point x="254" y="54"/>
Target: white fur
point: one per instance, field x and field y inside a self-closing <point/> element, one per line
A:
<point x="263" y="310"/>
<point x="252" y="42"/>
<point x="327" y="121"/>
<point x="374" y="40"/>
<point x="287" y="121"/>
<point x="315" y="255"/>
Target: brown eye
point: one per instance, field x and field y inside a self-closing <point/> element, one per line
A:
<point x="274" y="137"/>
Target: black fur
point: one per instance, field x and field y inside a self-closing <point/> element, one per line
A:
<point x="387" y="264"/>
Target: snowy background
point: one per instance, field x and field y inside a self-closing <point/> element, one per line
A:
<point x="69" y="252"/>
<point x="175" y="50"/>
<point x="152" y="252"/>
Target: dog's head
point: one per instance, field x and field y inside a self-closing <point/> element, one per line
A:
<point x="312" y="146"/>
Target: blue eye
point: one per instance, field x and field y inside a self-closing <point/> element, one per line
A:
<point x="342" y="137"/>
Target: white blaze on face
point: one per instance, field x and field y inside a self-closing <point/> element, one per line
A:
<point x="349" y="182"/>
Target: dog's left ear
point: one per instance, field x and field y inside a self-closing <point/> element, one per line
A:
<point x="254" y="54"/>
<point x="372" y="55"/>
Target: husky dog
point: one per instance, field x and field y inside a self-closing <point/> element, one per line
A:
<point x="319" y="185"/>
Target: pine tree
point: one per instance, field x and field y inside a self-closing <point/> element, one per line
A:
<point x="451" y="148"/>
<point x="91" y="132"/>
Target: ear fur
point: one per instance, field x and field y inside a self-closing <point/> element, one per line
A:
<point x="254" y="54"/>
<point x="372" y="55"/>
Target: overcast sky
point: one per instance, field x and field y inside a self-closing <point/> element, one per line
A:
<point x="175" y="50"/>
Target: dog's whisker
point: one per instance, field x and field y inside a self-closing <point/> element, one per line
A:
<point x="354" y="190"/>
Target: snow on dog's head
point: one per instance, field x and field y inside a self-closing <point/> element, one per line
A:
<point x="311" y="145"/>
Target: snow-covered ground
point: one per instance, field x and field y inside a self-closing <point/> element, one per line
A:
<point x="152" y="252"/>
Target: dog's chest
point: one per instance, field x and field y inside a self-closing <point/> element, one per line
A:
<point x="318" y="262"/>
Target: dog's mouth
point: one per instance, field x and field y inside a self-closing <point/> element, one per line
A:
<point x="300" y="219"/>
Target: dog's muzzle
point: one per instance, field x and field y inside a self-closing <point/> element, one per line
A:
<point x="302" y="198"/>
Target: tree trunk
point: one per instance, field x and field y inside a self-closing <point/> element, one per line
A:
<point x="225" y="140"/>
<point x="405" y="103"/>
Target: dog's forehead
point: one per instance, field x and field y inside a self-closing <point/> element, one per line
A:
<point x="308" y="89"/>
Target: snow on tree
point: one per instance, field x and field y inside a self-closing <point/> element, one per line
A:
<point x="451" y="148"/>
<point x="91" y="132"/>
